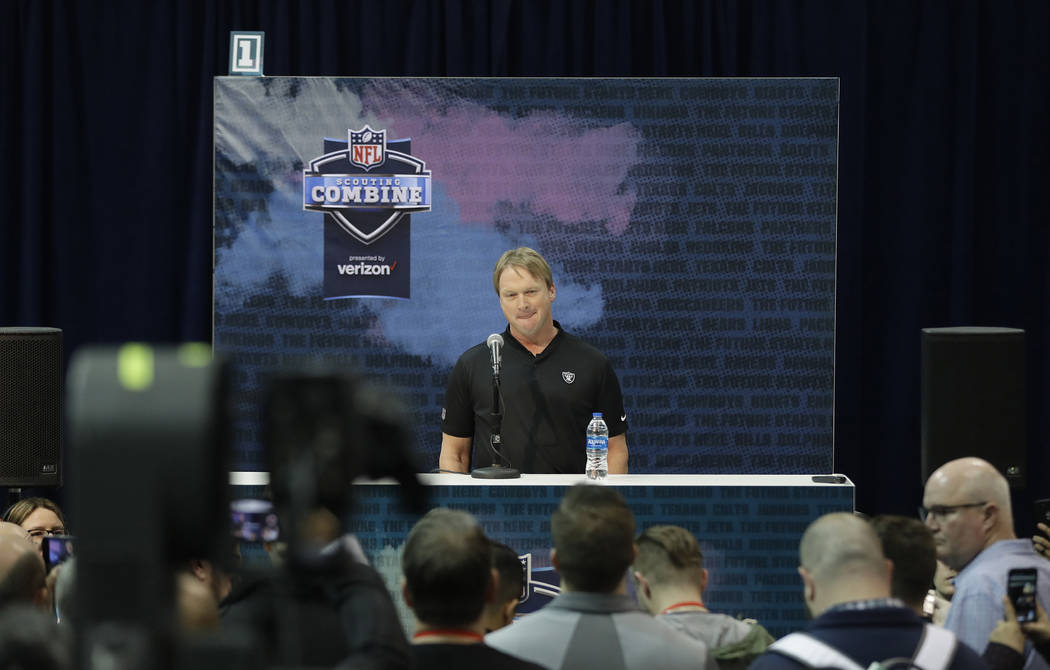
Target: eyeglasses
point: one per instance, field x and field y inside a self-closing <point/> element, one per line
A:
<point x="941" y="511"/>
<point x="37" y="533"/>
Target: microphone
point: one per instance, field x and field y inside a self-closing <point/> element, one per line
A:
<point x="495" y="345"/>
<point x="496" y="470"/>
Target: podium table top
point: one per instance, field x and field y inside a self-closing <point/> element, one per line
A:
<point x="451" y="479"/>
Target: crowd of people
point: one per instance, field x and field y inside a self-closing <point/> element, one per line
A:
<point x="911" y="593"/>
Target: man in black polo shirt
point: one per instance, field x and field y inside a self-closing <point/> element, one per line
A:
<point x="551" y="382"/>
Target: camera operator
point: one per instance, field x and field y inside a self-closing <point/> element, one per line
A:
<point x="326" y="605"/>
<point x="157" y="420"/>
<point x="334" y="609"/>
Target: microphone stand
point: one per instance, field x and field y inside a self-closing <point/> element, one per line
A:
<point x="495" y="471"/>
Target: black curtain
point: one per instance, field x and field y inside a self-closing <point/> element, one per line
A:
<point x="105" y="138"/>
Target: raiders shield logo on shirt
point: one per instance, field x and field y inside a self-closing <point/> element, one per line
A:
<point x="569" y="377"/>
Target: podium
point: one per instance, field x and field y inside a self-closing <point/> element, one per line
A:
<point x="749" y="527"/>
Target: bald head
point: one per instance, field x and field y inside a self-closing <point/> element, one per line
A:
<point x="973" y="480"/>
<point x="968" y="510"/>
<point x="21" y="571"/>
<point x="842" y="561"/>
<point x="14" y="531"/>
<point x="12" y="548"/>
<point x="842" y="546"/>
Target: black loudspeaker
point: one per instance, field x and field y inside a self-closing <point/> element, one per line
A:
<point x="30" y="406"/>
<point x="974" y="400"/>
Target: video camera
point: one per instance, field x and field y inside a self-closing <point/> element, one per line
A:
<point x="149" y="429"/>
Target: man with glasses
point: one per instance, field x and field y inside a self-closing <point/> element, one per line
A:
<point x="966" y="505"/>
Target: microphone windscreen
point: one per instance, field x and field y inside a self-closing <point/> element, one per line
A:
<point x="494" y="338"/>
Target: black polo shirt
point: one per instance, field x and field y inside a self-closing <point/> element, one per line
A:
<point x="547" y="402"/>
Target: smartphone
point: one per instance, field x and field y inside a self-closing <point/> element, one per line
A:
<point x="56" y="548"/>
<point x="254" y="521"/>
<point x="1020" y="586"/>
<point x="1041" y="511"/>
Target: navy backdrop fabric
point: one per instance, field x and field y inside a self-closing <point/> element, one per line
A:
<point x="106" y="145"/>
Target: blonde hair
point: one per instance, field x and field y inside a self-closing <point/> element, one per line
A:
<point x="21" y="510"/>
<point x="669" y="554"/>
<point x="523" y="257"/>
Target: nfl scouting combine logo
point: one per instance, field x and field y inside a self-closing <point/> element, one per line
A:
<point x="539" y="587"/>
<point x="367" y="186"/>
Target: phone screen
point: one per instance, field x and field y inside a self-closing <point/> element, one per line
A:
<point x="1020" y="586"/>
<point x="56" y="548"/>
<point x="254" y="521"/>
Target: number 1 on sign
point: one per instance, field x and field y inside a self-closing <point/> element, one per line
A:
<point x="246" y="54"/>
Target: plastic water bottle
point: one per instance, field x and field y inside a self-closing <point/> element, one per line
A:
<point x="597" y="447"/>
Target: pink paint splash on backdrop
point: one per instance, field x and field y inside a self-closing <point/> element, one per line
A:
<point x="547" y="162"/>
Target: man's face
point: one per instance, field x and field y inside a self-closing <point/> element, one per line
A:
<point x="958" y="533"/>
<point x="526" y="301"/>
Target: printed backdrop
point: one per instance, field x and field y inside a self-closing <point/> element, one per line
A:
<point x="690" y="224"/>
<point x="748" y="535"/>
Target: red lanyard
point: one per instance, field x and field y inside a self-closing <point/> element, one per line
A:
<point x="451" y="632"/>
<point x="688" y="603"/>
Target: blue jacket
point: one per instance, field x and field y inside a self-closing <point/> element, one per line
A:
<point x="869" y="635"/>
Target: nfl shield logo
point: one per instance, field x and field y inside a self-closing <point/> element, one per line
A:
<point x="367" y="148"/>
<point x="569" y="377"/>
<point x="542" y="582"/>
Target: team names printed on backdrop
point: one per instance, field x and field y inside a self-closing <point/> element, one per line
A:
<point x="367" y="187"/>
<point x="691" y="223"/>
